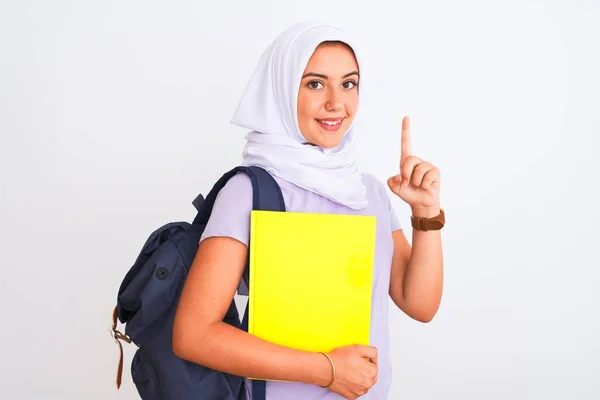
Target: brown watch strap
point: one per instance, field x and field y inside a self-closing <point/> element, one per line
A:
<point x="429" y="224"/>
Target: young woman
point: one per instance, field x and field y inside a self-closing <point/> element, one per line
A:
<point x="300" y="106"/>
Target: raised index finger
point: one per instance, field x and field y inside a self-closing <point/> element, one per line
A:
<point x="405" y="143"/>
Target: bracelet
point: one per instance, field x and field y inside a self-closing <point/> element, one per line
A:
<point x="332" y="369"/>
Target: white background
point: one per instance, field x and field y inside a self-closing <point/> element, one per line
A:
<point x="114" y="115"/>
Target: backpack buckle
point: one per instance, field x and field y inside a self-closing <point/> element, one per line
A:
<point x="118" y="335"/>
<point x="114" y="332"/>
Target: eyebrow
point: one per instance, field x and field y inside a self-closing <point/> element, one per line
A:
<point x="326" y="77"/>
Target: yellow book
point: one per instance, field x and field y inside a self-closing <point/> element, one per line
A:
<point x="311" y="279"/>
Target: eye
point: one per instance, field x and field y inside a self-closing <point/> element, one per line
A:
<point x="314" y="85"/>
<point x="349" y="84"/>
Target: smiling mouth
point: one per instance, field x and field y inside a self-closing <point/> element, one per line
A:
<point x="330" y="124"/>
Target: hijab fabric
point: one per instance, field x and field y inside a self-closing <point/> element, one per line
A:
<point x="268" y="108"/>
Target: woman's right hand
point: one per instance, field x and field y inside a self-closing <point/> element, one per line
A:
<point x="356" y="370"/>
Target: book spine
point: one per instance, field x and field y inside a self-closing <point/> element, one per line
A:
<point x="251" y="263"/>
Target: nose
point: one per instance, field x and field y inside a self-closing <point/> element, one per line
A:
<point x="334" y="101"/>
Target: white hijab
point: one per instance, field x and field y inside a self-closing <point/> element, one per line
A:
<point x="269" y="109"/>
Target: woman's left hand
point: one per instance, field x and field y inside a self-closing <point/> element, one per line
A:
<point x="418" y="182"/>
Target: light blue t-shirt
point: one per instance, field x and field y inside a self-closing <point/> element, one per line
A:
<point x="231" y="218"/>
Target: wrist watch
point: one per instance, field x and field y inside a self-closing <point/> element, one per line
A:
<point x="429" y="224"/>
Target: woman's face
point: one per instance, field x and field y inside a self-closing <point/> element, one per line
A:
<point x="328" y="95"/>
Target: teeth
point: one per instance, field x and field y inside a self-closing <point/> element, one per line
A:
<point x="331" y="123"/>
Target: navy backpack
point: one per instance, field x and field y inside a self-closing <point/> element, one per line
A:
<point x="148" y="297"/>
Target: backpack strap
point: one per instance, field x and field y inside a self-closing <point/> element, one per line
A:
<point x="117" y="336"/>
<point x="266" y="195"/>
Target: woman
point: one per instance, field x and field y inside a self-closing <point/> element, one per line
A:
<point x="300" y="106"/>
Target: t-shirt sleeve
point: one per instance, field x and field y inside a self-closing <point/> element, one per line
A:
<point x="385" y="192"/>
<point x="230" y="216"/>
<point x="396" y="225"/>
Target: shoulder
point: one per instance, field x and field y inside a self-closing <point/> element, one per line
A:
<point x="375" y="187"/>
<point x="235" y="197"/>
<point x="237" y="184"/>
<point x="230" y="215"/>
